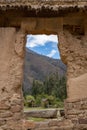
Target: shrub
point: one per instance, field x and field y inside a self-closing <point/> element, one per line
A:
<point x="29" y="101"/>
<point x="48" y="101"/>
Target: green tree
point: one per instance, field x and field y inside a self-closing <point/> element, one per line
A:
<point x="52" y="86"/>
<point x="37" y="88"/>
<point x="61" y="89"/>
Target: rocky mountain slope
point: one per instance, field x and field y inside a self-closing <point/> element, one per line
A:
<point x="38" y="67"/>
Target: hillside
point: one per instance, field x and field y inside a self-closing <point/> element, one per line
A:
<point x="38" y="67"/>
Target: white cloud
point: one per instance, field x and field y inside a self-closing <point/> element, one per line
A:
<point x="52" y="53"/>
<point x="40" y="40"/>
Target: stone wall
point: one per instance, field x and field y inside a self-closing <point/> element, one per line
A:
<point x="77" y="111"/>
<point x="11" y="67"/>
<point x="71" y="29"/>
<point x="73" y="49"/>
<point x="42" y="7"/>
<point x="52" y="124"/>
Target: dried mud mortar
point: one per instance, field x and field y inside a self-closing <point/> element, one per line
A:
<point x="67" y="19"/>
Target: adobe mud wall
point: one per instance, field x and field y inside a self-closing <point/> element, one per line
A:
<point x="73" y="49"/>
<point x="41" y="8"/>
<point x="11" y="67"/>
<point x="71" y="27"/>
<point x="38" y="4"/>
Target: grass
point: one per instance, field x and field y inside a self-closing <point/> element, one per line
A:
<point x="39" y="108"/>
<point x="36" y="119"/>
<point x="36" y="108"/>
<point x="33" y="108"/>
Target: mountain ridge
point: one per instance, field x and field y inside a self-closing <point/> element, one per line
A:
<point x="38" y="67"/>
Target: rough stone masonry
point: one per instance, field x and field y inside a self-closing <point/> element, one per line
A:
<point x="67" y="19"/>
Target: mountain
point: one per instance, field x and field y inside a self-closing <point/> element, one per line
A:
<point x="39" y="67"/>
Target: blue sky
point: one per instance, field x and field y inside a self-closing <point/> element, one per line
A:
<point x="44" y="44"/>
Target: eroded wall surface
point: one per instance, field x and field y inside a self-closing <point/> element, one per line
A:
<point x="73" y="49"/>
<point x="11" y="66"/>
<point x="72" y="33"/>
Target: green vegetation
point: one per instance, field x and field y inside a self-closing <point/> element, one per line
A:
<point x="49" y="93"/>
<point x="29" y="101"/>
<point x="36" y="119"/>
